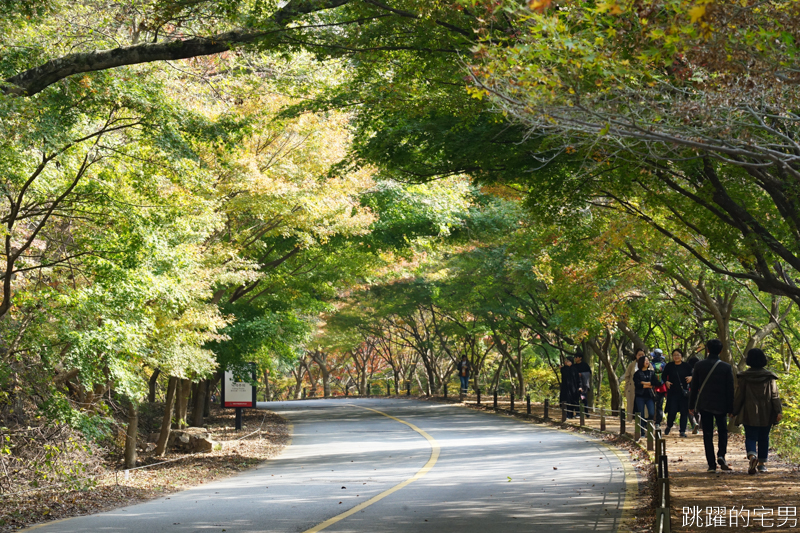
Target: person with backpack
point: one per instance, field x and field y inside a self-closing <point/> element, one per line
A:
<point x="676" y="376"/>
<point x="463" y="367"/>
<point x="658" y="363"/>
<point x="758" y="406"/>
<point x="713" y="399"/>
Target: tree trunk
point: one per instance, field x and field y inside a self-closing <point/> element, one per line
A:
<point x="198" y="408"/>
<point x="193" y="396"/>
<point x="496" y="378"/>
<point x="299" y="374"/>
<point x="267" y="392"/>
<point x="326" y="381"/>
<point x="420" y="386"/>
<point x="151" y="396"/>
<point x="178" y="394"/>
<point x="184" y="390"/>
<point x="132" y="434"/>
<point x="613" y="380"/>
<point x="362" y="383"/>
<point x="321" y="359"/>
<point x="166" y="421"/>
<point x="637" y="341"/>
<point x="207" y="403"/>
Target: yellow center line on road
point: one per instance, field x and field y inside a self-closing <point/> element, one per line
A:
<point x="422" y="471"/>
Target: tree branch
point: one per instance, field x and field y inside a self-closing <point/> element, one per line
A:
<point x="36" y="79"/>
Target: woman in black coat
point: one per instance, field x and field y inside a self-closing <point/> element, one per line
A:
<point x="677" y="375"/>
<point x="569" y="386"/>
<point x="645" y="381"/>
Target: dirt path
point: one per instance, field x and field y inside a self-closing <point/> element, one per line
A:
<point x="757" y="503"/>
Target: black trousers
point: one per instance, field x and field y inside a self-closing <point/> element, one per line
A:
<point x="677" y="403"/>
<point x="707" y="421"/>
<point x="659" y="401"/>
<point x="585" y="402"/>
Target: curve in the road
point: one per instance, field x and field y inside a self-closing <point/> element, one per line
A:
<point x="422" y="471"/>
<point x="348" y="461"/>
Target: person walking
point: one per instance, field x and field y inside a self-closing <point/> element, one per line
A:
<point x="713" y="399"/>
<point x="695" y="417"/>
<point x="757" y="405"/>
<point x="645" y="381"/>
<point x="658" y="363"/>
<point x="584" y="373"/>
<point x="677" y="376"/>
<point x="464" y="369"/>
<point x="630" y="389"/>
<point x="569" y="386"/>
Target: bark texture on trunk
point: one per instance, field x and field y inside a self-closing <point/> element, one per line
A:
<point x="151" y="396"/>
<point x="198" y="407"/>
<point x="182" y="398"/>
<point x="207" y="404"/>
<point x="132" y="434"/>
<point x="166" y="421"/>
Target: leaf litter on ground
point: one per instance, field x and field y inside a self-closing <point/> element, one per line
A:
<point x="112" y="490"/>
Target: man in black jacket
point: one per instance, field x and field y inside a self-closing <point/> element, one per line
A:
<point x="584" y="375"/>
<point x="569" y="387"/>
<point x="712" y="396"/>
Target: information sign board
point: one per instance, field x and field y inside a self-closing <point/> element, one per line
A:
<point x="236" y="388"/>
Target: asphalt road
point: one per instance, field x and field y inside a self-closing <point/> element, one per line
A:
<point x="459" y="470"/>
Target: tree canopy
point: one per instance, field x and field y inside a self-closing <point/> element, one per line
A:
<point x="350" y="191"/>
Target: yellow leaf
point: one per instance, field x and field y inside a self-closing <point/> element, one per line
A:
<point x="539" y="5"/>
<point x="697" y="12"/>
<point x="611" y="7"/>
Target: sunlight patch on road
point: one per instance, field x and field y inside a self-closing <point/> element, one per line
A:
<point x="435" y="449"/>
